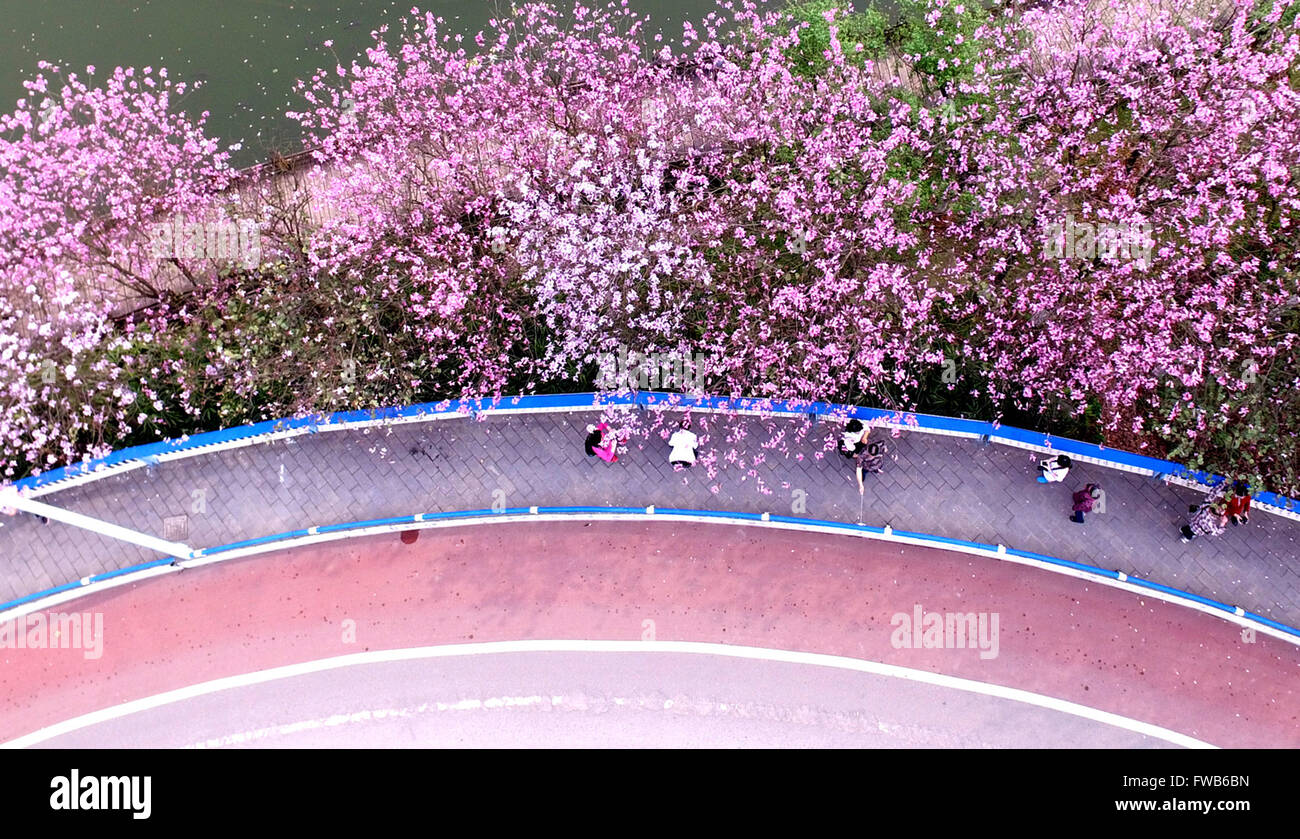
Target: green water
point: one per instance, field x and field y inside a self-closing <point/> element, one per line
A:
<point x="246" y="53"/>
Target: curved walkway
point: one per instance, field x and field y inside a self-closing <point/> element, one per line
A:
<point x="945" y="486"/>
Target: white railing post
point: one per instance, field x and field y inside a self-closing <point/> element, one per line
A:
<point x="11" y="499"/>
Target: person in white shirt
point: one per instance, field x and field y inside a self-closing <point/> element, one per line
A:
<point x="1054" y="469"/>
<point x="854" y="439"/>
<point x="684" y="443"/>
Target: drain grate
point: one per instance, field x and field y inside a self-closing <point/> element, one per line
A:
<point x="176" y="528"/>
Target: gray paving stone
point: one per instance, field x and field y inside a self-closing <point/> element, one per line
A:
<point x="931" y="484"/>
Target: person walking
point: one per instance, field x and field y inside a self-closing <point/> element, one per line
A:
<point x="1083" y="501"/>
<point x="1210" y="517"/>
<point x="1238" y="510"/>
<point x="854" y="439"/>
<point x="1054" y="469"/>
<point x="596" y="446"/>
<point x="685" y="446"/>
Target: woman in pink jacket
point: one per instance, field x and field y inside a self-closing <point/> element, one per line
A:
<point x="1083" y="501"/>
<point x="596" y="446"/>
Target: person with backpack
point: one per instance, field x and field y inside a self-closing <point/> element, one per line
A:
<point x="1083" y="501"/>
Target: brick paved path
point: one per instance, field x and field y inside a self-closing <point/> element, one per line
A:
<point x="931" y="484"/>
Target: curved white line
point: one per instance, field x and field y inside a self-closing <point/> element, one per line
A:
<point x="691" y="647"/>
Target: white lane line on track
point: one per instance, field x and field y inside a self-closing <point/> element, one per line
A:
<point x="579" y="646"/>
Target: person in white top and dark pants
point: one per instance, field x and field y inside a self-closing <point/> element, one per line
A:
<point x="1054" y="469"/>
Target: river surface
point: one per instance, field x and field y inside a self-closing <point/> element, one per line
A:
<point x="246" y="53"/>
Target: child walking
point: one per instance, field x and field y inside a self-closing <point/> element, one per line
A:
<point x="1238" y="511"/>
